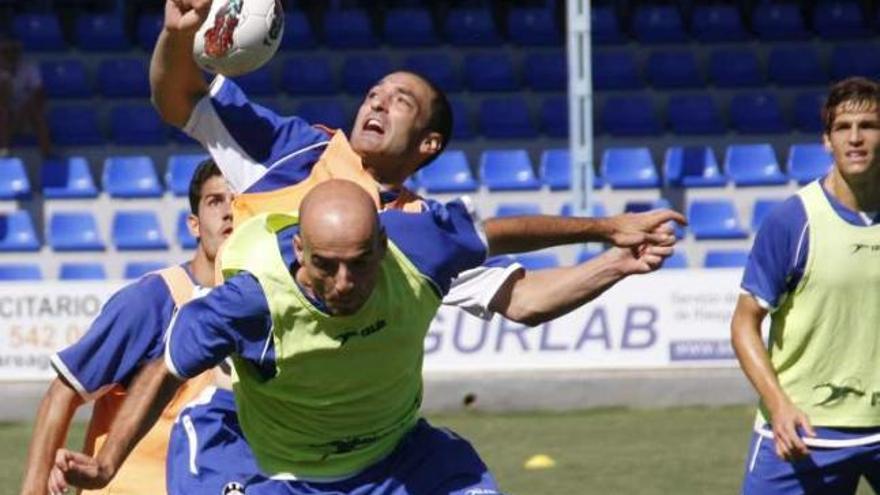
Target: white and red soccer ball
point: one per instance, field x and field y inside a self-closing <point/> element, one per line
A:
<point x="239" y="36"/>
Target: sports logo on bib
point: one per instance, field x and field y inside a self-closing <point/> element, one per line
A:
<point x="233" y="488"/>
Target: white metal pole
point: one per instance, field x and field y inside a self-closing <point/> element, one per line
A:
<point x="580" y="105"/>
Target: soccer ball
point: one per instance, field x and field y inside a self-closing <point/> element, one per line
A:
<point x="239" y="36"/>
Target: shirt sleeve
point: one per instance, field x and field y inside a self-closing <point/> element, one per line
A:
<point x="778" y="256"/>
<point x="231" y="319"/>
<point x="248" y="140"/>
<point x="473" y="290"/>
<point x="126" y="334"/>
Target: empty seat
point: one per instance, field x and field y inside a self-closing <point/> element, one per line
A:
<point x="82" y="271"/>
<point x="796" y="66"/>
<point x="325" y="112"/>
<point x="757" y="113"/>
<point x="615" y="70"/>
<point x="714" y="219"/>
<point x="10" y="272"/>
<point x="761" y="209"/>
<point x="692" y="166"/>
<point x="309" y="75"/>
<point x="437" y="67"/>
<point x="735" y="67"/>
<point x="694" y="114"/>
<point x="17" y="232"/>
<point x="258" y="82"/>
<point x="75" y="125"/>
<point x="68" y="178"/>
<point x="726" y="258"/>
<point x="362" y="72"/>
<point x="658" y="24"/>
<point x="74" y="231"/>
<point x="471" y="27"/>
<point x="506" y="118"/>
<point x="855" y="60"/>
<point x="554" y="116"/>
<point x="629" y="168"/>
<point x="462" y="120"/>
<point x="808" y="162"/>
<point x="349" y="28"/>
<point x="409" y="27"/>
<point x="180" y="171"/>
<point x="840" y="20"/>
<point x="779" y="22"/>
<point x="717" y="24"/>
<point x="123" y="77"/>
<point x="644" y="206"/>
<point x="556" y="169"/>
<point x="65" y="79"/>
<point x="546" y="71"/>
<point x="537" y="261"/>
<point x="517" y="209"/>
<point x="147" y="31"/>
<point x="489" y="72"/>
<point x="137" y="125"/>
<point x="137" y="269"/>
<point x="674" y="69"/>
<point x="14" y="183"/>
<point x="629" y="116"/>
<point x="604" y="26"/>
<point x="678" y="260"/>
<point x="298" y="33"/>
<point x="137" y="230"/>
<point x="508" y="170"/>
<point x="100" y="33"/>
<point x="597" y="210"/>
<point x="449" y="172"/>
<point x="807" y="111"/>
<point x="753" y="165"/>
<point x="131" y="177"/>
<point x="184" y="238"/>
<point x="533" y="27"/>
<point x="38" y="32"/>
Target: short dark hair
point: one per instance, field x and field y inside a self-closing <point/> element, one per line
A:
<point x="204" y="171"/>
<point x="859" y="90"/>
<point x="440" y="119"/>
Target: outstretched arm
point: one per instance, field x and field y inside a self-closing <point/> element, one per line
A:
<point x="519" y="234"/>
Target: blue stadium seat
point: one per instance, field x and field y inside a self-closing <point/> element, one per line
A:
<point x="615" y="70"/>
<point x="597" y="210"/>
<point x="75" y="125"/>
<point x="644" y="206"/>
<point x="556" y="169"/>
<point x="692" y="166"/>
<point x="14" y="182"/>
<point x="694" y="114"/>
<point x="658" y="24"/>
<point x="629" y="116"/>
<point x="508" y="170"/>
<point x="471" y="27"/>
<point x="855" y="60"/>
<point x="449" y="172"/>
<point x="735" y="67"/>
<point x="148" y="28"/>
<point x="349" y="28"/>
<point x="757" y="113"/>
<point x="137" y="125"/>
<point x="307" y="75"/>
<point x="328" y="112"/>
<point x="533" y="27"/>
<point x="672" y="69"/>
<point x="137" y="269"/>
<point x="130" y="177"/>
<point x="629" y="168"/>
<point x="82" y="271"/>
<point x="362" y="72"/>
<point x="298" y="33"/>
<point x="753" y="165"/>
<point x="717" y="24"/>
<point x="11" y="272"/>
<point x="779" y="22"/>
<point x="462" y="120"/>
<point x="123" y="77"/>
<point x="517" y="209"/>
<point x="840" y="19"/>
<point x="796" y="66"/>
<point x="727" y="258"/>
<point x="554" y="116"/>
<point x="65" y="79"/>
<point x="138" y="230"/>
<point x="605" y="27"/>
<point x="74" y="231"/>
<point x="68" y="178"/>
<point x="714" y="219"/>
<point x="807" y="111"/>
<point x="546" y="71"/>
<point x="761" y="209"/>
<point x="506" y="118"/>
<point x="184" y="238"/>
<point x="808" y="162"/>
<point x="260" y="82"/>
<point x="437" y="67"/>
<point x="180" y="171"/>
<point x="537" y="261"/>
<point x="17" y="232"/>
<point x="38" y="32"/>
<point x="101" y="33"/>
<point x="409" y="27"/>
<point x="678" y="260"/>
<point x="489" y="72"/>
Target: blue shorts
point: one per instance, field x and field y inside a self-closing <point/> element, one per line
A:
<point x="832" y="471"/>
<point x="208" y="454"/>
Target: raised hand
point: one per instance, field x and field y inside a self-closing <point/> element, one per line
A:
<point x="186" y="15"/>
<point x="652" y="227"/>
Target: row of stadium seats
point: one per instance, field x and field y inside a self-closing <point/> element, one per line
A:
<point x="744" y="165"/>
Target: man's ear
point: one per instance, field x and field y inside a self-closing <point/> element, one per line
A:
<point x="826" y="141"/>
<point x="298" y="249"/>
<point x="192" y="224"/>
<point x="431" y="144"/>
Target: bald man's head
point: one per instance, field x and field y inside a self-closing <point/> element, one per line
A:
<point x="340" y="245"/>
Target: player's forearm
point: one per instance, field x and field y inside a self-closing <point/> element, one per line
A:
<point x="50" y="432"/>
<point x="528" y="233"/>
<point x="752" y="354"/>
<point x="176" y="82"/>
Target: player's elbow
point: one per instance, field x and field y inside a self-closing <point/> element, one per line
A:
<point x="526" y="315"/>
